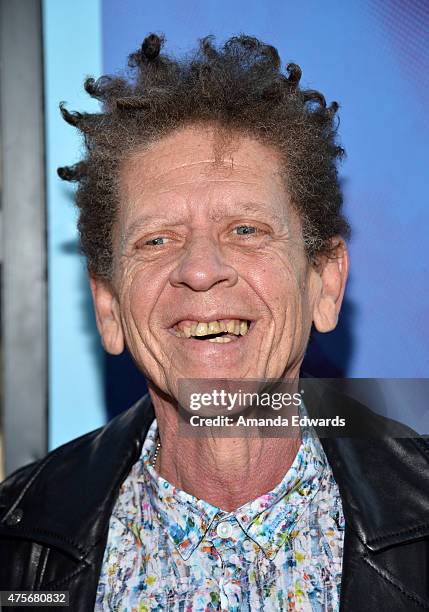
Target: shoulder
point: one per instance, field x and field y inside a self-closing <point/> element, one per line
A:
<point x="330" y="399"/>
<point x="97" y="456"/>
<point x="22" y="478"/>
<point x="65" y="500"/>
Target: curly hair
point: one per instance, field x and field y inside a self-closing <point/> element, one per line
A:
<point x="239" y="87"/>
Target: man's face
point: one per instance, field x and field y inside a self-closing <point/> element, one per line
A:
<point x="207" y="242"/>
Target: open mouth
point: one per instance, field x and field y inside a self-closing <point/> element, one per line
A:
<point x="219" y="331"/>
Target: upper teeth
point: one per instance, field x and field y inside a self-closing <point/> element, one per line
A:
<point x="186" y="329"/>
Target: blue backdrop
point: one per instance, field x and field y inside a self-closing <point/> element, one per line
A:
<point x="373" y="58"/>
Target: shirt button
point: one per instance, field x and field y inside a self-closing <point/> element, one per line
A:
<point x="224" y="530"/>
<point x="247" y="545"/>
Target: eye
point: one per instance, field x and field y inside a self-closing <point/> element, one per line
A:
<point x="245" y="230"/>
<point x="158" y="241"/>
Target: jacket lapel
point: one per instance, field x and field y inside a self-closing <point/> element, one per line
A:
<point x="383" y="481"/>
<point x="68" y="500"/>
<point x="381" y="468"/>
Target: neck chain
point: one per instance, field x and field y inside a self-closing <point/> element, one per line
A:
<point x="156" y="453"/>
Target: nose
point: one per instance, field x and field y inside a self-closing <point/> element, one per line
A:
<point x="202" y="266"/>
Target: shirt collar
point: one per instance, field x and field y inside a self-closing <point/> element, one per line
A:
<point x="267" y="520"/>
<point x="185" y="517"/>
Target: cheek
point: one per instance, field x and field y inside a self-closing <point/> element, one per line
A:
<point x="281" y="285"/>
<point x="146" y="300"/>
<point x="138" y="299"/>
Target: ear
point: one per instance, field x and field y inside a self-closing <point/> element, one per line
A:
<point x="107" y="315"/>
<point x="332" y="272"/>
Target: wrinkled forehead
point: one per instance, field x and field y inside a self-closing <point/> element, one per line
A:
<point x="200" y="154"/>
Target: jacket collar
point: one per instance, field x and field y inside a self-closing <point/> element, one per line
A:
<point x="68" y="498"/>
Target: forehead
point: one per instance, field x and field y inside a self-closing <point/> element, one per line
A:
<point x="201" y="165"/>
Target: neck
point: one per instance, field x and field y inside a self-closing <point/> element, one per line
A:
<point x="226" y="472"/>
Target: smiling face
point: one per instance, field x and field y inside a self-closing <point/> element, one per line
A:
<point x="211" y="279"/>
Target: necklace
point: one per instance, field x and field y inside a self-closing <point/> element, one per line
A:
<point x="156" y="453"/>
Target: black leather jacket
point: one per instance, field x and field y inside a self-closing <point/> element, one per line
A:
<point x="54" y="515"/>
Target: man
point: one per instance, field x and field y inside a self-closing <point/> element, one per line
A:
<point x="210" y="216"/>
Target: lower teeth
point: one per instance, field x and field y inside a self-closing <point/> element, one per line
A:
<point x="221" y="339"/>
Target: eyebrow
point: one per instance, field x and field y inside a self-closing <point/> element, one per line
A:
<point x="247" y="207"/>
<point x="141" y="222"/>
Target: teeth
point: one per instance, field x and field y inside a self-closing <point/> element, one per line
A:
<point x="201" y="329"/>
<point x="214" y="327"/>
<point x="187" y="329"/>
<point x="230" y="326"/>
<point x="243" y="328"/>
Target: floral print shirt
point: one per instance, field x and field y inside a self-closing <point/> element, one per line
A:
<point x="168" y="550"/>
